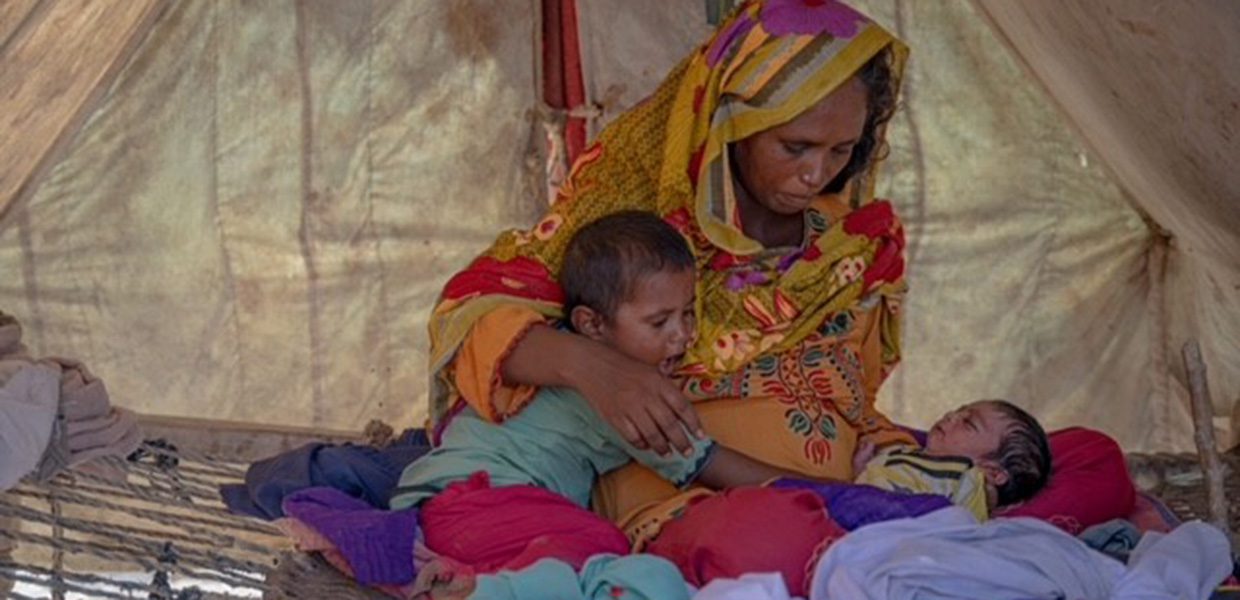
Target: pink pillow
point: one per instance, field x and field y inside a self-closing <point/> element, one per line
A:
<point x="1150" y="514"/>
<point x="1089" y="483"/>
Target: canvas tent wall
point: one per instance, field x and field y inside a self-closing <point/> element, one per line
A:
<point x="252" y="216"/>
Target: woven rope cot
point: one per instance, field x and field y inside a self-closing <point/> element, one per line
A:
<point x="1178" y="480"/>
<point x="160" y="523"/>
<point x="164" y="525"/>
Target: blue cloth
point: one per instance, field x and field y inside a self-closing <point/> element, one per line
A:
<point x="853" y="505"/>
<point x="604" y="577"/>
<point x="360" y="471"/>
<point x="1116" y="538"/>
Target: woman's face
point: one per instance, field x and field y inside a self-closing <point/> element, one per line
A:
<point x="784" y="168"/>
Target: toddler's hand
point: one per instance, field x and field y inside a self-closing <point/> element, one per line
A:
<point x="865" y="451"/>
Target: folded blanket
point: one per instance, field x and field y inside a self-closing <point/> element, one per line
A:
<point x="88" y="427"/>
<point x="82" y="424"/>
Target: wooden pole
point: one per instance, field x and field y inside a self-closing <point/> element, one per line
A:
<point x="1203" y="426"/>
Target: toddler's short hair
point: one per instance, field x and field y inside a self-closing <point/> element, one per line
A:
<point x="607" y="257"/>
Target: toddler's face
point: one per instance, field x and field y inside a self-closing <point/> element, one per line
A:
<point x="656" y="325"/>
<point x="973" y="431"/>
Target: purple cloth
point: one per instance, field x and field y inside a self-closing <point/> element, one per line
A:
<point x="853" y="505"/>
<point x="378" y="544"/>
<point x="801" y="17"/>
<point x="360" y="471"/>
<point x="917" y="434"/>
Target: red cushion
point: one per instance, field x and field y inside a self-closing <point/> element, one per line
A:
<point x="1089" y="483"/>
<point x="748" y="530"/>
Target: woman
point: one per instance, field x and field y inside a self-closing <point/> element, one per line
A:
<point x="760" y="149"/>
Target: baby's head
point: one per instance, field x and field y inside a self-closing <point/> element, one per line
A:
<point x="628" y="281"/>
<point x="1003" y="440"/>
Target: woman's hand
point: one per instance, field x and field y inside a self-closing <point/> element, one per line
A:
<point x="647" y="409"/>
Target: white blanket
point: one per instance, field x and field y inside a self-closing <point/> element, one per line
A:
<point x="750" y="586"/>
<point x="948" y="555"/>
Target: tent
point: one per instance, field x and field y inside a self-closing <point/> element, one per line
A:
<point x="243" y="212"/>
<point x="239" y="214"/>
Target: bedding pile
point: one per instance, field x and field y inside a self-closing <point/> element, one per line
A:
<point x="1089" y="535"/>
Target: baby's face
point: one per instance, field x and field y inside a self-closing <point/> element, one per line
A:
<point x="656" y="325"/>
<point x="973" y="431"/>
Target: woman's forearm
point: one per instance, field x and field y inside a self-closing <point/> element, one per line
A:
<point x="648" y="410"/>
<point x="548" y="357"/>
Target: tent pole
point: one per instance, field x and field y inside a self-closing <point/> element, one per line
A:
<point x="1203" y="426"/>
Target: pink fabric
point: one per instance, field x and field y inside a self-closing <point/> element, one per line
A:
<point x="1150" y="514"/>
<point x="748" y="530"/>
<point x="1089" y="483"/>
<point x="308" y="539"/>
<point x="513" y="527"/>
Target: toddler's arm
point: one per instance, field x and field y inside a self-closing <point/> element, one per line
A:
<point x="729" y="468"/>
<point x="862" y="456"/>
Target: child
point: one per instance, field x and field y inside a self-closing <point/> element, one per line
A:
<point x="982" y="455"/>
<point x="504" y="495"/>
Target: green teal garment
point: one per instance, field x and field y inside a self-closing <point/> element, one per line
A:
<point x="604" y="577"/>
<point x="557" y="442"/>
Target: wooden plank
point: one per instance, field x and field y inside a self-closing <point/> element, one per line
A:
<point x="52" y="74"/>
<point x="13" y="15"/>
<point x="237" y="441"/>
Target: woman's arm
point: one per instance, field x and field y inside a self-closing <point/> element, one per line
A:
<point x="879" y="356"/>
<point x="647" y="409"/>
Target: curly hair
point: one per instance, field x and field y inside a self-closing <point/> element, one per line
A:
<point x="1024" y="453"/>
<point x="880" y="106"/>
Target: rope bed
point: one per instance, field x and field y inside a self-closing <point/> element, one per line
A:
<point x="1177" y="480"/>
<point x="164" y="522"/>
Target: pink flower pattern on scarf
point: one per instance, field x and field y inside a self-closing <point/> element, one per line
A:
<point x="811" y="17"/>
